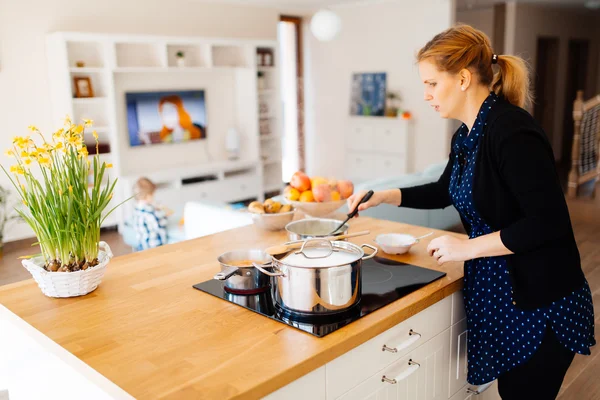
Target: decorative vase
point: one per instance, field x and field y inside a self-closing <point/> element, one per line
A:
<point x="181" y="62"/>
<point x="232" y="144"/>
<point x="69" y="284"/>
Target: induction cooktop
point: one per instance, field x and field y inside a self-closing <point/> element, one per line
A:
<point x="383" y="282"/>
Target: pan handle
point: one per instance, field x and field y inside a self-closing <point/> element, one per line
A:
<point x="373" y="254"/>
<point x="264" y="271"/>
<point x="227" y="273"/>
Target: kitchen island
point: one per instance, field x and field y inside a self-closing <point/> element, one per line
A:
<point x="150" y="333"/>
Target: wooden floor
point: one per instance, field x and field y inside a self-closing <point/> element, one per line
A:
<point x="582" y="381"/>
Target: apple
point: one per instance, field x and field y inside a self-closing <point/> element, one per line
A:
<point x="322" y="192"/>
<point x="346" y="188"/>
<point x="291" y="193"/>
<point x="300" y="181"/>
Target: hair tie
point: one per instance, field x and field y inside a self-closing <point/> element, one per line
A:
<point x="495" y="59"/>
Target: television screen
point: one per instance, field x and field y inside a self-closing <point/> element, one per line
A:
<point x="165" y="117"/>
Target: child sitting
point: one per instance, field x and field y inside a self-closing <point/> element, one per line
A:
<point x="150" y="221"/>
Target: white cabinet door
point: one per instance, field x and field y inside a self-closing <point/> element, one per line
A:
<point x="361" y="166"/>
<point x="360" y="137"/>
<point x="390" y="166"/>
<point x="392" y="137"/>
<point x="421" y="375"/>
<point x="458" y="356"/>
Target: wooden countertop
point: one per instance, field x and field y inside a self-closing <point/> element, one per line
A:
<point x="147" y="330"/>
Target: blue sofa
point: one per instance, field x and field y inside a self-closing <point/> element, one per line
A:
<point x="438" y="219"/>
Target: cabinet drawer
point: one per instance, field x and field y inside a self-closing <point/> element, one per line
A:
<point x="458" y="356"/>
<point x="390" y="166"/>
<point x="392" y="138"/>
<point x="468" y="393"/>
<point x="360" y="137"/>
<point x="361" y="166"/>
<point x="420" y="374"/>
<point x="239" y="188"/>
<point x="358" y="364"/>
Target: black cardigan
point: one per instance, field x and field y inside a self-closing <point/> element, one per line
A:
<point x="516" y="191"/>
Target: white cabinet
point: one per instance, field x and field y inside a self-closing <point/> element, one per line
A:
<point x="357" y="365"/>
<point x="377" y="147"/>
<point x="420" y="375"/>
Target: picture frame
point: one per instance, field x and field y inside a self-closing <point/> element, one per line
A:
<point x="83" y="87"/>
<point x="368" y="94"/>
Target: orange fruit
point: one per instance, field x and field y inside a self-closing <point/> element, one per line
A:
<point x="292" y="194"/>
<point x="335" y="196"/>
<point x="307" y="196"/>
<point x="317" y="180"/>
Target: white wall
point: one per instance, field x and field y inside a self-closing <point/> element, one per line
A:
<point x="481" y="18"/>
<point x="380" y="37"/>
<point x="24" y="24"/>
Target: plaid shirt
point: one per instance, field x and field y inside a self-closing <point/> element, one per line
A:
<point x="150" y="226"/>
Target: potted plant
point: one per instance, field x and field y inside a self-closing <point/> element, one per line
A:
<point x="180" y="56"/>
<point x="391" y="109"/>
<point x="6" y="214"/>
<point x="64" y="202"/>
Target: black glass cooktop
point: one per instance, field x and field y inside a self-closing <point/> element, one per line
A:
<point x="383" y="281"/>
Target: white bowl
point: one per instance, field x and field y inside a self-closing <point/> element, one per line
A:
<point x="315" y="209"/>
<point x="395" y="243"/>
<point x="273" y="222"/>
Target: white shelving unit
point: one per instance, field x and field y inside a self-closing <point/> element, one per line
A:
<point x="226" y="69"/>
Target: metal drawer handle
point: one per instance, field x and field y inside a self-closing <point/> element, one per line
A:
<point x="480" y="389"/>
<point x="412" y="367"/>
<point x="413" y="338"/>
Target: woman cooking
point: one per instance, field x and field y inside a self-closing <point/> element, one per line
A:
<point x="529" y="307"/>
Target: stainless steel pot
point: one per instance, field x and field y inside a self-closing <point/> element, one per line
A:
<point x="321" y="278"/>
<point x="244" y="279"/>
<point x="314" y="228"/>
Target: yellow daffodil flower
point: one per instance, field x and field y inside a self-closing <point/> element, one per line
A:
<point x="88" y="122"/>
<point x="17" y="169"/>
<point x="32" y="128"/>
<point x="109" y="165"/>
<point x="9" y="153"/>
<point x="95" y="135"/>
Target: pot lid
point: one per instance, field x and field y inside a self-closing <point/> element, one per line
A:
<point x="318" y="253"/>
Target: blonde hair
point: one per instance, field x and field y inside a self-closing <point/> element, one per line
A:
<point x="143" y="188"/>
<point x="464" y="47"/>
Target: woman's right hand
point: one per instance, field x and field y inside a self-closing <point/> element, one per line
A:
<point x="375" y="200"/>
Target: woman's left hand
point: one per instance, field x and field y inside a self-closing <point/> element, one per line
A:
<point x="448" y="248"/>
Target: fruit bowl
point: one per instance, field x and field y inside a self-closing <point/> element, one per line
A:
<point x="315" y="209"/>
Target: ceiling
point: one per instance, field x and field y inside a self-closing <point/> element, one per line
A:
<point x="316" y="4"/>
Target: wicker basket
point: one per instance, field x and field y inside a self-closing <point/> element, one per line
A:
<point x="69" y="284"/>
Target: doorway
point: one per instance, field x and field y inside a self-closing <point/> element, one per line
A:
<point x="576" y="79"/>
<point x="545" y="85"/>
<point x="292" y="91"/>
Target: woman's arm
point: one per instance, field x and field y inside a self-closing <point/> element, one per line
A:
<point x="449" y="248"/>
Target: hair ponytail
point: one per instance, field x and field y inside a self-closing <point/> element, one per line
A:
<point x="464" y="47"/>
<point x="512" y="81"/>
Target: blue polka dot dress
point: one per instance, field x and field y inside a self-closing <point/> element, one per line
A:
<point x="500" y="335"/>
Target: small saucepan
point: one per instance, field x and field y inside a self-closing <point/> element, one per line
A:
<point x="314" y="228"/>
<point x="239" y="274"/>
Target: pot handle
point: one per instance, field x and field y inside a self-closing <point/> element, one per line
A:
<point x="227" y="273"/>
<point x="264" y="271"/>
<point x="373" y="254"/>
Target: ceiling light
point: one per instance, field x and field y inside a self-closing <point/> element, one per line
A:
<point x="325" y="25"/>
